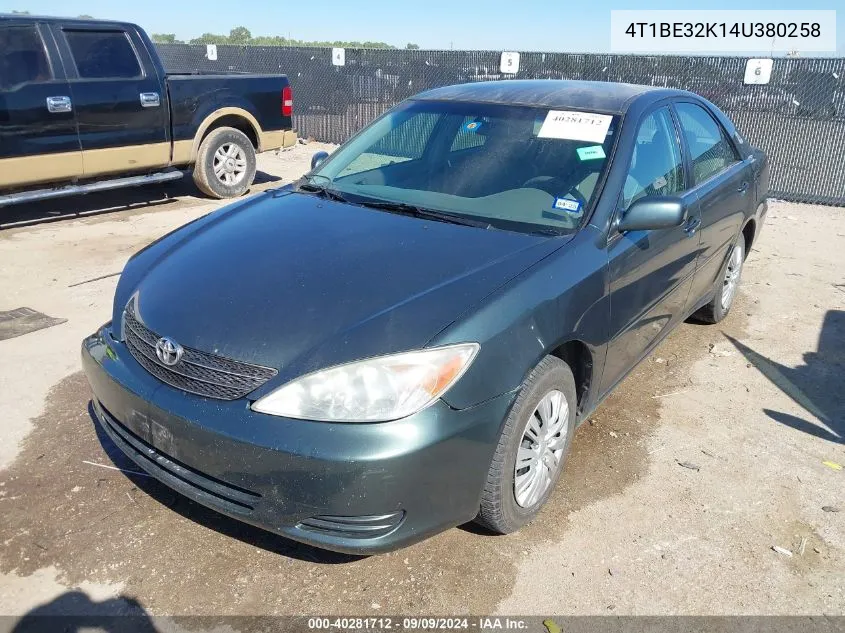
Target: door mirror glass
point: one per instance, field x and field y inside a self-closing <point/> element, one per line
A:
<point x="318" y="158"/>
<point x="653" y="212"/>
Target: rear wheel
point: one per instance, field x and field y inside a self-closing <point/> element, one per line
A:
<point x="532" y="448"/>
<point x="726" y="287"/>
<point x="225" y="165"/>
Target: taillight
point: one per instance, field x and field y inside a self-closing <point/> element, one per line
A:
<point x="287" y="101"/>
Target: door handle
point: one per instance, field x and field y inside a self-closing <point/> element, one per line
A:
<point x="743" y="187"/>
<point x="59" y="104"/>
<point x="692" y="226"/>
<point x="150" y="99"/>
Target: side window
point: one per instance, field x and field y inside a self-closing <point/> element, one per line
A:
<point x="22" y="57"/>
<point x="656" y="166"/>
<point x="710" y="149"/>
<point x="403" y="143"/>
<point x="103" y="54"/>
<point x="467" y="138"/>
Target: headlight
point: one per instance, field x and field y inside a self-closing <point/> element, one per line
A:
<point x="373" y="390"/>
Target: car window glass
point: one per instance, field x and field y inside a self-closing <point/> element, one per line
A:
<point x="498" y="162"/>
<point x="466" y="138"/>
<point x="710" y="149"/>
<point x="405" y="142"/>
<point x="22" y="57"/>
<point x="103" y="54"/>
<point x="656" y="166"/>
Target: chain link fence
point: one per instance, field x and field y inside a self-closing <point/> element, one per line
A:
<point x="798" y="118"/>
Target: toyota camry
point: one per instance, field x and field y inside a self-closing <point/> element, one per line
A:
<point x="406" y="338"/>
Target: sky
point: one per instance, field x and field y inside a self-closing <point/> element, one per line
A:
<point x="520" y="25"/>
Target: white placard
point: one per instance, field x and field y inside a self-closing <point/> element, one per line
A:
<point x="758" y="71"/>
<point x="510" y="63"/>
<point x="211" y="51"/>
<point x="339" y="56"/>
<point x="755" y="31"/>
<point x="575" y="126"/>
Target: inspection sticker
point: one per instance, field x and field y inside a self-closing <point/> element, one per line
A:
<point x="472" y="126"/>
<point x="566" y="204"/>
<point x="575" y="126"/>
<point x="590" y="153"/>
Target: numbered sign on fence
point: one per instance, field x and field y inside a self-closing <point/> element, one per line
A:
<point x="510" y="63"/>
<point x="339" y="56"/>
<point x="758" y="71"/>
<point x="211" y="51"/>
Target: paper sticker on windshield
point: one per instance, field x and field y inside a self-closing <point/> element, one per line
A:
<point x="590" y="153"/>
<point x="575" y="126"/>
<point x="472" y="126"/>
<point x="566" y="204"/>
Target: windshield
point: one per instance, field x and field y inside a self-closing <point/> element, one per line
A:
<point x="514" y="167"/>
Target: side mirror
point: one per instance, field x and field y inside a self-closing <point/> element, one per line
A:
<point x="653" y="212"/>
<point x="318" y="158"/>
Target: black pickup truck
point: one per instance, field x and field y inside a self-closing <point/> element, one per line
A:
<point x="85" y="105"/>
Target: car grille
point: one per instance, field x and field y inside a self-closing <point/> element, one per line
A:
<point x="196" y="372"/>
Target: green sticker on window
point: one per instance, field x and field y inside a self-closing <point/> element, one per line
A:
<point x="591" y="153"/>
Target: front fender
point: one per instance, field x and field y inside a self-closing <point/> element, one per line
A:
<point x="561" y="298"/>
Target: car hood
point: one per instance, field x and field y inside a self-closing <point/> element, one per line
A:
<point x="297" y="282"/>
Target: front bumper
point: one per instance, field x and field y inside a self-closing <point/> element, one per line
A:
<point x="355" y="488"/>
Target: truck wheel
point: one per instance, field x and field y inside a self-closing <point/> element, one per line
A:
<point x="225" y="166"/>
<point x="532" y="448"/>
<point x="726" y="286"/>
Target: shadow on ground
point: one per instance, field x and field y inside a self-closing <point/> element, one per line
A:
<point x="73" y="612"/>
<point x="816" y="386"/>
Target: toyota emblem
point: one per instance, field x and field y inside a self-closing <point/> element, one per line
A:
<point x="168" y="351"/>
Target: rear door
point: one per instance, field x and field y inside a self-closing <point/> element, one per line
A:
<point x="724" y="185"/>
<point x="650" y="272"/>
<point x="39" y="141"/>
<point x="120" y="106"/>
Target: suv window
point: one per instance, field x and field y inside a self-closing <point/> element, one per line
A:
<point x="656" y="166"/>
<point x="22" y="57"/>
<point x="710" y="148"/>
<point x="103" y="54"/>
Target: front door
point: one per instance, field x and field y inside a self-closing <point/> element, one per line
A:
<point x="121" y="112"/>
<point x="39" y="142"/>
<point x="650" y="272"/>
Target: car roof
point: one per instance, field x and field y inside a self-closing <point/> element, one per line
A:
<point x="49" y="19"/>
<point x="603" y="96"/>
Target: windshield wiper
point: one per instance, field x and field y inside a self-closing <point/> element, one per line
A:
<point x="322" y="190"/>
<point x="422" y="212"/>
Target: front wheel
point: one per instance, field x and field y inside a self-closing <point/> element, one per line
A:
<point x="532" y="448"/>
<point x="225" y="165"/>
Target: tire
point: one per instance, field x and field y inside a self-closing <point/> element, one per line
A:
<point x="501" y="511"/>
<point x="233" y="152"/>
<point x="719" y="306"/>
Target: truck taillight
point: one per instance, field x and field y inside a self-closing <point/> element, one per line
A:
<point x="287" y="101"/>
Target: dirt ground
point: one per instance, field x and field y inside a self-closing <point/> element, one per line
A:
<point x="720" y="446"/>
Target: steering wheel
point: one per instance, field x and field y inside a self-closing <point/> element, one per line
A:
<point x="547" y="184"/>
